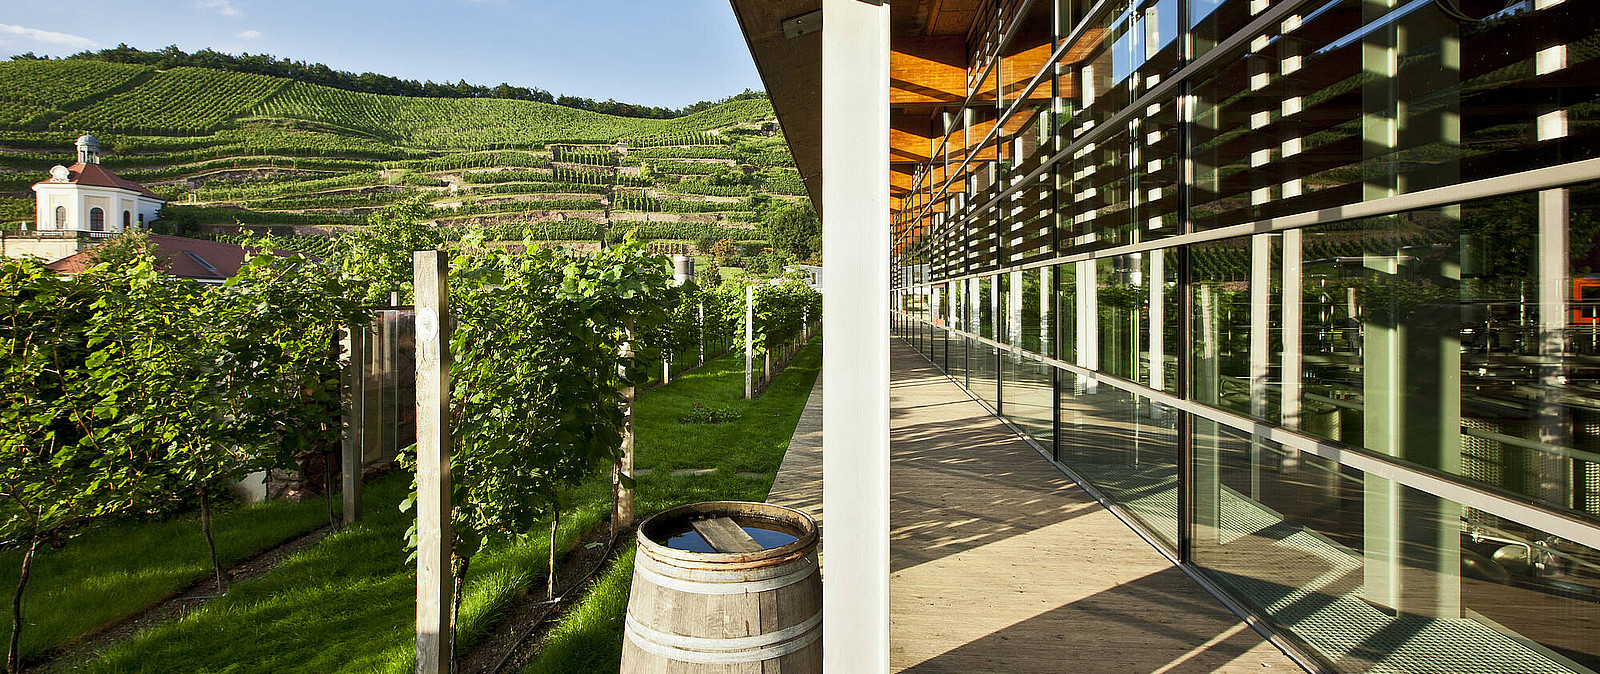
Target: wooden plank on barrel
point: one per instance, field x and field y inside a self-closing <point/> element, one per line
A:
<point x="725" y="535"/>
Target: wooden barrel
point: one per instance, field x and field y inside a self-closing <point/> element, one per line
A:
<point x="713" y="612"/>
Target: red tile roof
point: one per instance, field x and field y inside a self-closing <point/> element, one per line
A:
<point x="186" y="258"/>
<point x="97" y="175"/>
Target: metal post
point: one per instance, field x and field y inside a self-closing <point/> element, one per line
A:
<point x="749" y="341"/>
<point x="350" y="455"/>
<point x="855" y="241"/>
<point x="701" y="324"/>
<point x="434" y="535"/>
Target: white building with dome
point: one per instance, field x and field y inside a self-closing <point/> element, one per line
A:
<point x="85" y="197"/>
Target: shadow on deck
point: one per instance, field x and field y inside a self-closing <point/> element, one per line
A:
<point x="999" y="563"/>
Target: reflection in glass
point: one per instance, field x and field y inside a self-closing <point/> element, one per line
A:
<point x="1125" y="445"/>
<point x="1376" y="576"/>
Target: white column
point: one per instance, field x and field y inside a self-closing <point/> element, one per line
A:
<point x="1014" y="311"/>
<point x="1260" y="343"/>
<point x="1260" y="317"/>
<point x="1087" y="319"/>
<point x="855" y="413"/>
<point x="1293" y="292"/>
<point x="1555" y="284"/>
<point x="1158" y="293"/>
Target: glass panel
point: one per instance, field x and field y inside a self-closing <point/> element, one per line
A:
<point x="982" y="375"/>
<point x="1126" y="446"/>
<point x="987" y="306"/>
<point x="1066" y="305"/>
<point x="1122" y="296"/>
<point x="1009" y="306"/>
<point x="1378" y="577"/>
<point x="1029" y="396"/>
<point x="1224" y="337"/>
<point x="1442" y="337"/>
<point x="1033" y="310"/>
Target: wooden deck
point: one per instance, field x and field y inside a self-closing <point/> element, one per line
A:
<point x="1002" y="564"/>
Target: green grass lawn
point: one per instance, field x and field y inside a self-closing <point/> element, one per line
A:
<point x="348" y="604"/>
<point x="120" y="567"/>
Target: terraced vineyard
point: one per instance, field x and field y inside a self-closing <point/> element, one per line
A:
<point x="177" y="101"/>
<point x="305" y="162"/>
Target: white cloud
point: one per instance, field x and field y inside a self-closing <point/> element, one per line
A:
<point x="47" y="37"/>
<point x="249" y="35"/>
<point x="223" y="7"/>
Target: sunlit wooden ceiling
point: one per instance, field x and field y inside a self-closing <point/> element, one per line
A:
<point x="928" y="77"/>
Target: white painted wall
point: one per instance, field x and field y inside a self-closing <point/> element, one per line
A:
<point x="78" y="199"/>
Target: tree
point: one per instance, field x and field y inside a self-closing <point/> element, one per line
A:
<point x="796" y="230"/>
<point x="710" y="275"/>
<point x="724" y="251"/>
<point x="125" y="249"/>
<point x="290" y="400"/>
<point x="129" y="390"/>
<point x="176" y="220"/>
<point x="63" y="463"/>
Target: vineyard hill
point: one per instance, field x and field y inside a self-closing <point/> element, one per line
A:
<point x="238" y="149"/>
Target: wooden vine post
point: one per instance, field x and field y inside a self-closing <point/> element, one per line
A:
<point x="354" y="399"/>
<point x="749" y="340"/>
<point x="622" y="477"/>
<point x="434" y="536"/>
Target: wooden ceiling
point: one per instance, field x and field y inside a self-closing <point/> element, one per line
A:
<point x="928" y="77"/>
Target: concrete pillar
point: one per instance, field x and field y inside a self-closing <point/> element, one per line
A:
<point x="1555" y="417"/>
<point x="1411" y="356"/>
<point x="855" y="241"/>
<point x="1157" y="312"/>
<point x="1260" y="340"/>
<point x="1292" y="363"/>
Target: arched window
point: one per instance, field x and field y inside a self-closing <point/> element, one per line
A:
<point x="97" y="220"/>
<point x="61" y="217"/>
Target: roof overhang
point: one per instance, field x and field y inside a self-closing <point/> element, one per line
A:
<point x="928" y="77"/>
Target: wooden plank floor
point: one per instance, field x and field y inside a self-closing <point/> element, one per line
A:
<point x="1001" y="564"/>
<point x="798" y="483"/>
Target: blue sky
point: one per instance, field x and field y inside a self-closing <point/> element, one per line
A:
<point x="650" y="52"/>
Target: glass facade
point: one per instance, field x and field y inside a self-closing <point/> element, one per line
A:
<point x="1309" y="290"/>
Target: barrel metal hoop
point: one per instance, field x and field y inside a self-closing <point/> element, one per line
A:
<point x="702" y="650"/>
<point x="645" y="567"/>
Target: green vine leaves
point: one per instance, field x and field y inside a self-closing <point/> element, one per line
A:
<point x="535" y="401"/>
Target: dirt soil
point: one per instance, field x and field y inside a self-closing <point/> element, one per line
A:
<point x="529" y="611"/>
